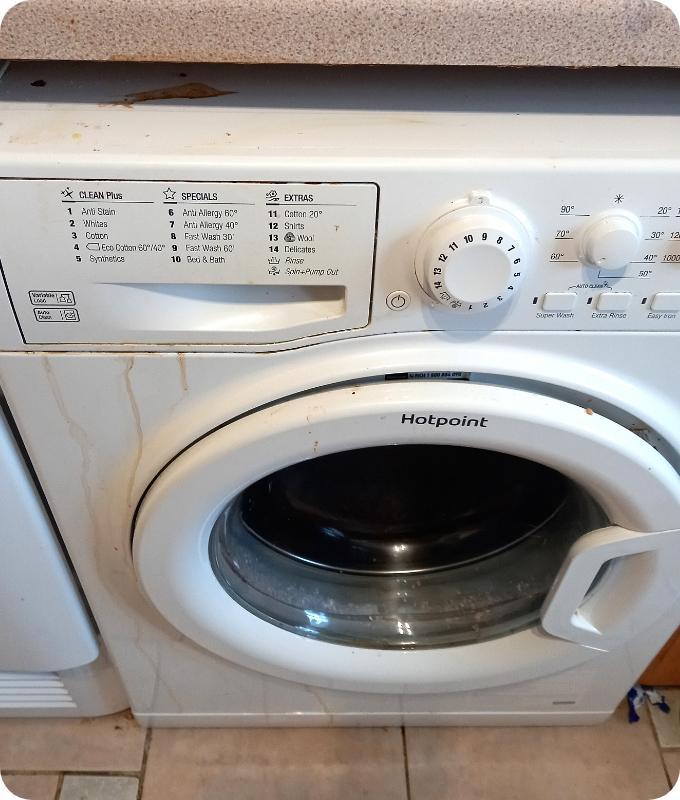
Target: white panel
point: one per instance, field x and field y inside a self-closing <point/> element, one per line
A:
<point x="132" y="261"/>
<point x="166" y="401"/>
<point x="43" y="625"/>
<point x="88" y="691"/>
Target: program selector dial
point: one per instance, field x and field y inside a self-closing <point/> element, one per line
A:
<point x="473" y="258"/>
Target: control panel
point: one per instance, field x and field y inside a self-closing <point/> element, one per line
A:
<point x="350" y="204"/>
<point x="492" y="264"/>
<point x="134" y="262"/>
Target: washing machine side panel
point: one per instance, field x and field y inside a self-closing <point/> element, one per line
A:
<point x="43" y="625"/>
<point x="10" y="335"/>
<point x="99" y="428"/>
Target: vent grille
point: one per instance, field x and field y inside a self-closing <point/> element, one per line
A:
<point x="33" y="690"/>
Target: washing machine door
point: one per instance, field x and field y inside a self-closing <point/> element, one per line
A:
<point x="412" y="537"/>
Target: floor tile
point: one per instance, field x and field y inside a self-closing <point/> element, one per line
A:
<point x="279" y="764"/>
<point x="98" y="787"/>
<point x="672" y="761"/>
<point x="104" y="744"/>
<point x="668" y="725"/>
<point x="32" y="787"/>
<point x="613" y="760"/>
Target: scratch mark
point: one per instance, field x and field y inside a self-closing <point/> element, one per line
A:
<point x="138" y="429"/>
<point x="79" y="436"/>
<point x="321" y="700"/>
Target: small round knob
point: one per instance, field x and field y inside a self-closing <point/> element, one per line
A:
<point x="610" y="241"/>
<point x="472" y="259"/>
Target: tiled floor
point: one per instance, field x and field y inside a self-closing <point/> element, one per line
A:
<point x="113" y="759"/>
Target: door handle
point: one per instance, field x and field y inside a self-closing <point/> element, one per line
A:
<point x="641" y="583"/>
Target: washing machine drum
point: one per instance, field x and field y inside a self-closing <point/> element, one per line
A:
<point x="401" y="546"/>
<point x="412" y="536"/>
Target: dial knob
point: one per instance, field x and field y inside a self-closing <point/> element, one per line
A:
<point x="611" y="240"/>
<point x="472" y="259"/>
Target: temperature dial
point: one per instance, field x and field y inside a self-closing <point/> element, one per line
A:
<point x="611" y="240"/>
<point x="472" y="259"/>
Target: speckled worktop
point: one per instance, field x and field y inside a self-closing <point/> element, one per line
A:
<point x="502" y="32"/>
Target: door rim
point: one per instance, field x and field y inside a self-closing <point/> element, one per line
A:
<point x="178" y="511"/>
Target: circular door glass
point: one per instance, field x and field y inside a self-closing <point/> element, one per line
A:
<point x="402" y="546"/>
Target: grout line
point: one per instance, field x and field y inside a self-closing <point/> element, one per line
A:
<point x="145" y="759"/>
<point x="659" y="749"/>
<point x="30" y="771"/>
<point x="60" y="783"/>
<point x="98" y="772"/>
<point x="406" y="772"/>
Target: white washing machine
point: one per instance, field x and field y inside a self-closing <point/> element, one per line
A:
<point x="355" y="394"/>
<point x="51" y="660"/>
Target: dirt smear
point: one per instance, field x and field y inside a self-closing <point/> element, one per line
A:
<point x="182" y="91"/>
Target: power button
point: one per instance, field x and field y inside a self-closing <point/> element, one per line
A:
<point x="398" y="300"/>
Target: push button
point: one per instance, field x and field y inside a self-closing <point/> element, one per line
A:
<point x="614" y="301"/>
<point x="398" y="300"/>
<point x="559" y="301"/>
<point x="666" y="301"/>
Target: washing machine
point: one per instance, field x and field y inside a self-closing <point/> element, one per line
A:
<point x="52" y="662"/>
<point x="354" y="393"/>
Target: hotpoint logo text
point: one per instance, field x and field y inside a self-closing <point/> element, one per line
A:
<point x="440" y="422"/>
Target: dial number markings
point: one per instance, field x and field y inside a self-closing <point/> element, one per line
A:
<point x="447" y="258"/>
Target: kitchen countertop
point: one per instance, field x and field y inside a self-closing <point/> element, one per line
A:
<point x="573" y="33"/>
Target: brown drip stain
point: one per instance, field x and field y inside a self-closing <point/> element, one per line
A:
<point x="182" y="91"/>
<point x="589" y="412"/>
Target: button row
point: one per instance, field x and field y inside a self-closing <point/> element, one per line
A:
<point x="610" y="301"/>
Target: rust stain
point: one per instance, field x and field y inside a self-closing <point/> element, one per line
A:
<point x="182" y="91"/>
<point x="589" y="412"/>
<point x="183" y="372"/>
